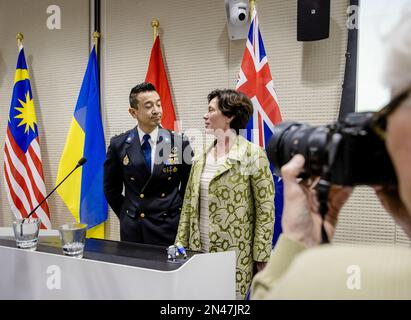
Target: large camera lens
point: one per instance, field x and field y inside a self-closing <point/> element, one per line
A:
<point x="347" y="152"/>
<point x="291" y="138"/>
<point x="241" y="16"/>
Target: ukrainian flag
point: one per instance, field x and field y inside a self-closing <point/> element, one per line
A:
<point x="83" y="191"/>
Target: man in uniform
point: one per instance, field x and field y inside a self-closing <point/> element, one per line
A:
<point x="153" y="165"/>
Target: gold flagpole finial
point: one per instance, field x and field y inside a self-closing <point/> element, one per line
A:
<point x="155" y="24"/>
<point x="19" y="38"/>
<point x="96" y="37"/>
<point x="252" y="6"/>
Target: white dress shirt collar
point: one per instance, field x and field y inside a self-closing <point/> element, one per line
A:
<point x="153" y="135"/>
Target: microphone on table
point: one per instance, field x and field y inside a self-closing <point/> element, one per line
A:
<point x="176" y="250"/>
<point x="79" y="164"/>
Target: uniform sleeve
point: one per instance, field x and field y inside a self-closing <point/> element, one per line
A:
<point x="262" y="185"/>
<point x="113" y="183"/>
<point x="281" y="258"/>
<point x="186" y="166"/>
<point x="183" y="231"/>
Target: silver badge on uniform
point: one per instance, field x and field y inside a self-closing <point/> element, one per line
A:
<point x="126" y="160"/>
<point x="173" y="156"/>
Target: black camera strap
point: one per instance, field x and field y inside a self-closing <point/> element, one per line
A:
<point x="323" y="189"/>
<point x="324" y="236"/>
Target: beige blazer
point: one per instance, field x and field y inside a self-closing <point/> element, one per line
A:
<point x="334" y="272"/>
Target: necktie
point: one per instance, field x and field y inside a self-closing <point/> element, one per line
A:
<point x="146" y="147"/>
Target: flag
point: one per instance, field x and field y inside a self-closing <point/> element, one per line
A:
<point x="156" y="74"/>
<point x="23" y="171"/>
<point x="255" y="81"/>
<point x="82" y="192"/>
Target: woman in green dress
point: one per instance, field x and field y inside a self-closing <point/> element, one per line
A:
<point x="229" y="199"/>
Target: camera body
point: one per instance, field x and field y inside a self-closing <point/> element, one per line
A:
<point x="347" y="152"/>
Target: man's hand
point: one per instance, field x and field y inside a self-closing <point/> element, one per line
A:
<point x="301" y="218"/>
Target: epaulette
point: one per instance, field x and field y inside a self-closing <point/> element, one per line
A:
<point x="120" y="136"/>
<point x="130" y="137"/>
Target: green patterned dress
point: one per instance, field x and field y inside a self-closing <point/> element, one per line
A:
<point x="241" y="209"/>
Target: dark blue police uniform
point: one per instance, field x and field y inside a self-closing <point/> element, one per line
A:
<point x="149" y="210"/>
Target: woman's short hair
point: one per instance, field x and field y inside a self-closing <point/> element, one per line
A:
<point x="233" y="104"/>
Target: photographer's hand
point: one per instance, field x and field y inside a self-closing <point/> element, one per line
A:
<point x="301" y="218"/>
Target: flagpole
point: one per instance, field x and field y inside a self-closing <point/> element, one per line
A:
<point x="155" y="24"/>
<point x="252" y="6"/>
<point x="96" y="37"/>
<point x="19" y="38"/>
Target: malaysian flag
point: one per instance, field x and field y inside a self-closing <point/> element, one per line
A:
<point x="256" y="82"/>
<point x="23" y="171"/>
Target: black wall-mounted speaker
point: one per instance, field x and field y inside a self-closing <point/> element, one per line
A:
<point x="313" y="20"/>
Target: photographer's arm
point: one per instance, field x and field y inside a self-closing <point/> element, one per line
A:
<point x="281" y="257"/>
<point x="301" y="224"/>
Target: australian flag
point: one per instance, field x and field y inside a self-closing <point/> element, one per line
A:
<point x="256" y="82"/>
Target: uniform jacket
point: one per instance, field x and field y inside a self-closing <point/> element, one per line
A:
<point x="150" y="208"/>
<point x="241" y="209"/>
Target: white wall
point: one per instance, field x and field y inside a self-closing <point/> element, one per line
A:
<point x="377" y="19"/>
<point x="56" y="60"/>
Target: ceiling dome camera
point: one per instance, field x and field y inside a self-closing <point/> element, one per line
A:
<point x="238" y="22"/>
<point x="239" y="13"/>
